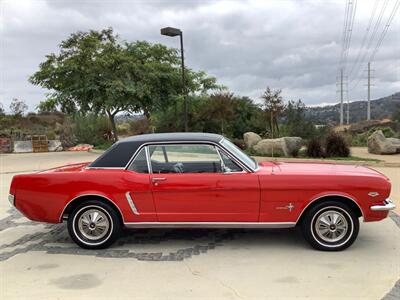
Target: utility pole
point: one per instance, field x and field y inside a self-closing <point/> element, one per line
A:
<point x="369" y="92"/>
<point x="341" y="96"/>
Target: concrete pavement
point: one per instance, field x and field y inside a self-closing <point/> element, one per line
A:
<point x="39" y="261"/>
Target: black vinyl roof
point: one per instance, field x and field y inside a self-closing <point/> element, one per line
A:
<point x="119" y="154"/>
<point x="174" y="136"/>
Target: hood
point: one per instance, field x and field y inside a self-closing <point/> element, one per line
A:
<point x="321" y="168"/>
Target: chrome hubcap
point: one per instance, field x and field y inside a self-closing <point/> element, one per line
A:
<point x="331" y="226"/>
<point x="93" y="224"/>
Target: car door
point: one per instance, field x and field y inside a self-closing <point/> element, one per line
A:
<point x="191" y="183"/>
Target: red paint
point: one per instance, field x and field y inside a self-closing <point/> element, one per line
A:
<point x="240" y="197"/>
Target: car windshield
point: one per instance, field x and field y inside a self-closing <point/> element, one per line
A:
<point x="239" y="154"/>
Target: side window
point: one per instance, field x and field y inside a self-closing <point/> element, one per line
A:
<point x="184" y="158"/>
<point x="139" y="164"/>
<point x="229" y="165"/>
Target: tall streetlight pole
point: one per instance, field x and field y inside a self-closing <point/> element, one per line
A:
<point x="170" y="31"/>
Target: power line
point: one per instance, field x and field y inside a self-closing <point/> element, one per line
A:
<point x="353" y="14"/>
<point x="380" y="39"/>
<point x="371" y="39"/>
<point x="385" y="30"/>
<point x="371" y="18"/>
<point x="344" y="33"/>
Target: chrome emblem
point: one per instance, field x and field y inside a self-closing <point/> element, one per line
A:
<point x="289" y="207"/>
<point x="373" y="194"/>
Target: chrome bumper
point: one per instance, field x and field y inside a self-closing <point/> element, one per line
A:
<point x="388" y="205"/>
<point x="11" y="199"/>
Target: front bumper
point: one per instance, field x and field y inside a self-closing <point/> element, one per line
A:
<point x="388" y="205"/>
<point x="11" y="199"/>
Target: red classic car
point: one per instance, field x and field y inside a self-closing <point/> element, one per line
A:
<point x="201" y="180"/>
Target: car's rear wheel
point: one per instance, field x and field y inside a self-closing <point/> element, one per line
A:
<point x="330" y="226"/>
<point x="94" y="225"/>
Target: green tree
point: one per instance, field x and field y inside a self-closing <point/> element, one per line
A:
<point x="48" y="105"/>
<point x="272" y="106"/>
<point x="248" y="117"/>
<point x="295" y="122"/>
<point x="18" y="107"/>
<point x="95" y="72"/>
<point x="221" y="108"/>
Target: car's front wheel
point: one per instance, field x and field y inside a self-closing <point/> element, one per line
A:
<point x="330" y="226"/>
<point x="94" y="225"/>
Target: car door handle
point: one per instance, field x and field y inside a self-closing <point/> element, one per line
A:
<point x="156" y="179"/>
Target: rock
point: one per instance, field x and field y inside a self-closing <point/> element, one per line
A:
<point x="269" y="146"/>
<point x="251" y="139"/>
<point x="293" y="144"/>
<point x="55" y="145"/>
<point x="378" y="144"/>
<point x="285" y="146"/>
<point x="394" y="141"/>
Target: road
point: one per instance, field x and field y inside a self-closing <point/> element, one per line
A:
<point x="39" y="261"/>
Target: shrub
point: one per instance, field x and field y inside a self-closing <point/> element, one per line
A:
<point x="92" y="129"/>
<point x="239" y="142"/>
<point x="336" y="146"/>
<point x="388" y="132"/>
<point x="360" y="140"/>
<point x="139" y="126"/>
<point x="294" y="152"/>
<point x="314" y="148"/>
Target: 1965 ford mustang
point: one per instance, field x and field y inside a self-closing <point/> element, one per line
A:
<point x="202" y="180"/>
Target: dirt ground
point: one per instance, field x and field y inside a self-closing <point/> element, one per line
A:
<point x="39" y="261"/>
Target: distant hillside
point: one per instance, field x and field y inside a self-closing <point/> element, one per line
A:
<point x="380" y="108"/>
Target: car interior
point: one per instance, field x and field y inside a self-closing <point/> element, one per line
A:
<point x="184" y="159"/>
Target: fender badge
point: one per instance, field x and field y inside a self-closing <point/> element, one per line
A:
<point x="290" y="207"/>
<point x="373" y="194"/>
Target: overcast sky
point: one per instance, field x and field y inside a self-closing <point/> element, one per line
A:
<point x="248" y="45"/>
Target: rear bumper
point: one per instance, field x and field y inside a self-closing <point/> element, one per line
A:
<point x="388" y="205"/>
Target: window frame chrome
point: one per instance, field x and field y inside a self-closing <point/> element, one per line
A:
<point x="245" y="167"/>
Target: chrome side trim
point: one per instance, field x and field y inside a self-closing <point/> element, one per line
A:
<point x="209" y="225"/>
<point x="84" y="195"/>
<point x="328" y="195"/>
<point x="388" y="205"/>
<point x="131" y="203"/>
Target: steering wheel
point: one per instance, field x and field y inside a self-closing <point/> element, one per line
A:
<point x="178" y="167"/>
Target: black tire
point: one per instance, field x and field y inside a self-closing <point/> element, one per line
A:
<point x="84" y="236"/>
<point x="336" y="238"/>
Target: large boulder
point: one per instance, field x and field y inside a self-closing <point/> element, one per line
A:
<point x="293" y="144"/>
<point x="285" y="146"/>
<point x="55" y="145"/>
<point x="269" y="146"/>
<point x="378" y="144"/>
<point x="251" y="139"/>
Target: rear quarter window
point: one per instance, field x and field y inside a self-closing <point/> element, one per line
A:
<point x="117" y="156"/>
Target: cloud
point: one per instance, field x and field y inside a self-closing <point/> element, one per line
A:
<point x="247" y="45"/>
